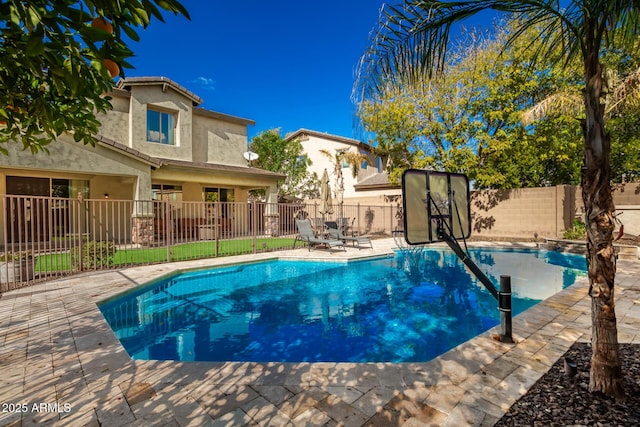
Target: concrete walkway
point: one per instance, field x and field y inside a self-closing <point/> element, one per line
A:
<point x="60" y="364"/>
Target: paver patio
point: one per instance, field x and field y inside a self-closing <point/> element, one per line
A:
<point x="60" y="364"/>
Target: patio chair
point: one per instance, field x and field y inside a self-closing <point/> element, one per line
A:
<point x="345" y="225"/>
<point x="318" y="226"/>
<point x="306" y="234"/>
<point x="334" y="232"/>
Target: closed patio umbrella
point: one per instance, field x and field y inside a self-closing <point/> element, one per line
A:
<point x="326" y="202"/>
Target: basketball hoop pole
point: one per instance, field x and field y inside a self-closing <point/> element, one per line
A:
<point x="453" y="244"/>
<point x="503" y="297"/>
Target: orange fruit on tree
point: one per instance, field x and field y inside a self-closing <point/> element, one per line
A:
<point x="113" y="68"/>
<point x="102" y="24"/>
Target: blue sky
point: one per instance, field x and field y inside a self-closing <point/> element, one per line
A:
<point x="286" y="64"/>
<point x="282" y="63"/>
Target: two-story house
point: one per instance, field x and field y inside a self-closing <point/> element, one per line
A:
<point x="156" y="143"/>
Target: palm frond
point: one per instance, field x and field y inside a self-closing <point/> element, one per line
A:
<point x="411" y="41"/>
<point x="354" y="160"/>
<point x="327" y="153"/>
<point x="621" y="19"/>
<point x="557" y="104"/>
<point x="625" y="92"/>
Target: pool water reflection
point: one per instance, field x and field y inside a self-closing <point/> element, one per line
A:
<point x="407" y="308"/>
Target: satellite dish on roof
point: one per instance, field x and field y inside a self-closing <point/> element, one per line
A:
<point x="250" y="155"/>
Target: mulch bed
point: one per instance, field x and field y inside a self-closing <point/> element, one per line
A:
<point x="560" y="400"/>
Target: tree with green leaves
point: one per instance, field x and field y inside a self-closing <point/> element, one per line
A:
<point x="59" y="58"/>
<point x="394" y="121"/>
<point x="410" y="45"/>
<point x="277" y="154"/>
<point x="467" y="119"/>
<point x="620" y="102"/>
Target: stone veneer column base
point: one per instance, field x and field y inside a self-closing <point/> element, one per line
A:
<point x="272" y="225"/>
<point x="142" y="230"/>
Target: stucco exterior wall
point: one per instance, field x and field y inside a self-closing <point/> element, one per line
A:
<point x="67" y="156"/>
<point x="144" y="96"/>
<point x="363" y="173"/>
<point x="208" y="178"/>
<point x="113" y="187"/>
<point x="374" y="197"/>
<point x="216" y="141"/>
<point x="115" y="123"/>
<point x="68" y="159"/>
<point x="200" y="136"/>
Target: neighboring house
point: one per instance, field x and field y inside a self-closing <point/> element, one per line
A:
<point x="355" y="189"/>
<point x="155" y="144"/>
<point x="376" y="188"/>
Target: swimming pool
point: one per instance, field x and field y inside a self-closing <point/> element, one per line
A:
<point x="392" y="309"/>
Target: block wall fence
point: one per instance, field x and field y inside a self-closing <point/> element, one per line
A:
<point x="544" y="212"/>
<point x="540" y="212"/>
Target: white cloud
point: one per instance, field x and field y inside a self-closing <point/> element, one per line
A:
<point x="205" y="82"/>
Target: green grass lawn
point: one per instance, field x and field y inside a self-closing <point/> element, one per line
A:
<point x="179" y="252"/>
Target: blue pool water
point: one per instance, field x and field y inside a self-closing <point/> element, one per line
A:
<point x="405" y="308"/>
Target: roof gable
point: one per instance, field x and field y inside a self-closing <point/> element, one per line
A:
<point x="165" y="82"/>
<point x="305" y="133"/>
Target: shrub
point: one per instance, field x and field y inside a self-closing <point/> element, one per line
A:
<point x="15" y="256"/>
<point x="577" y="232"/>
<point x="94" y="255"/>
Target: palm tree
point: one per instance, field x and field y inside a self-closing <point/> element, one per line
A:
<point x="411" y="44"/>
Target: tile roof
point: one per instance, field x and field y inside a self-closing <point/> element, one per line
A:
<point x="132" y="152"/>
<point x="377" y="180"/>
<point x="222" y="116"/>
<point x="153" y="81"/>
<point x="302" y="132"/>
<point x="219" y="167"/>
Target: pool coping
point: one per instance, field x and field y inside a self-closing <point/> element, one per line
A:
<point x="56" y="349"/>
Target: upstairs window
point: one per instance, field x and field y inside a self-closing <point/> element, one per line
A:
<point x="161" y="127"/>
<point x="365" y="162"/>
<point x="343" y="161"/>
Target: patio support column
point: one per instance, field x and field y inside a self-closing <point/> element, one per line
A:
<point x="271" y="214"/>
<point x="142" y="215"/>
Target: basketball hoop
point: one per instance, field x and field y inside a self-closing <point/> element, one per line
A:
<point x="436" y="207"/>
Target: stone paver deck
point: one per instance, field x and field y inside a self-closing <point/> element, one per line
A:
<point x="60" y="364"/>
